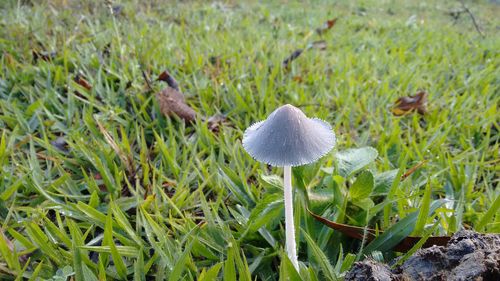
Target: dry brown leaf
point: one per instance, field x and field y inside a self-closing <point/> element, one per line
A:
<point x="358" y="232"/>
<point x="80" y="80"/>
<point x="172" y="102"/>
<point x="292" y="57"/>
<point x="326" y="26"/>
<point x="216" y="122"/>
<point x="405" y="105"/>
<point x="320" y="45"/>
<point x="166" y="77"/>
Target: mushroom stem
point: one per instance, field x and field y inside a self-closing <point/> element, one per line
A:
<point x="291" y="248"/>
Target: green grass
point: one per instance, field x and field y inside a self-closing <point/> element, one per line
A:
<point x="139" y="196"/>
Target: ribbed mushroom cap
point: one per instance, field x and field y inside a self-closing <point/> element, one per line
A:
<point x="288" y="138"/>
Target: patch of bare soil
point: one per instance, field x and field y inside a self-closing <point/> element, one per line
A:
<point x="467" y="256"/>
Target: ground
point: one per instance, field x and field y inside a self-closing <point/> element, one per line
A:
<point x="96" y="183"/>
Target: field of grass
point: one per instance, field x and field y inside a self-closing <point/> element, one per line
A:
<point x="97" y="184"/>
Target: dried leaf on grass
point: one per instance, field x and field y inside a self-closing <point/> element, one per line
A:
<point x="320" y="45"/>
<point x="172" y="102"/>
<point x="216" y="122"/>
<point x="166" y="77"/>
<point x="292" y="57"/>
<point x="406" y="105"/>
<point x="80" y="80"/>
<point x="326" y="26"/>
<point x="358" y="232"/>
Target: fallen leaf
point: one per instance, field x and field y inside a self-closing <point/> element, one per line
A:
<point x="172" y="102"/>
<point x="216" y="122"/>
<point x="80" y="80"/>
<point x="320" y="45"/>
<point x="292" y="57"/>
<point x="405" y="105"/>
<point x="166" y="77"/>
<point x="358" y="232"/>
<point x="326" y="26"/>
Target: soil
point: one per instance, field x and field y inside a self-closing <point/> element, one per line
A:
<point x="467" y="256"/>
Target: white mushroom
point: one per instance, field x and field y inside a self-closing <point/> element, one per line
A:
<point x="288" y="138"/>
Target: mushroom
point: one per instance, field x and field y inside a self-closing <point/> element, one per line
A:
<point x="289" y="138"/>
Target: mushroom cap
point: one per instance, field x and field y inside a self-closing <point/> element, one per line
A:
<point x="288" y="138"/>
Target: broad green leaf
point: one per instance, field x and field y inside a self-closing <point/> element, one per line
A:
<point x="383" y="182"/>
<point x="273" y="181"/>
<point x="320" y="197"/>
<point x="365" y="203"/>
<point x="362" y="187"/>
<point x="352" y="160"/>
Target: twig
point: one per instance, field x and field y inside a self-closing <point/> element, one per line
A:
<point x="472" y="17"/>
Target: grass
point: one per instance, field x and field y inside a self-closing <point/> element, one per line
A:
<point x="126" y="193"/>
